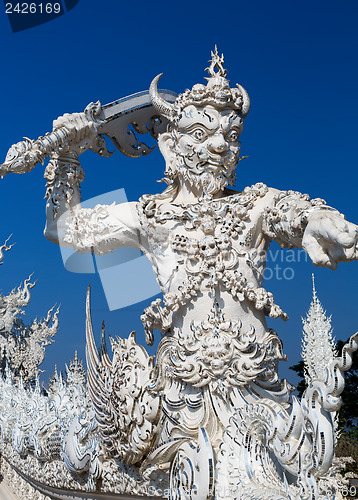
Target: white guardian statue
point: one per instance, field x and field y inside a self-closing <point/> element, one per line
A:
<point x="210" y="413"/>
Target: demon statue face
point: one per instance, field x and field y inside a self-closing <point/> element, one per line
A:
<point x="201" y="146"/>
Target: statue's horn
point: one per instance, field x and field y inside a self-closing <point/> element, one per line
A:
<point x="160" y="104"/>
<point x="245" y="101"/>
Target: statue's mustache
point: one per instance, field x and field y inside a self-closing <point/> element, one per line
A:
<point x="204" y="157"/>
<point x="228" y="158"/>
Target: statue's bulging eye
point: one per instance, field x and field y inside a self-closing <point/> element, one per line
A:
<point x="232" y="136"/>
<point x="199" y="134"/>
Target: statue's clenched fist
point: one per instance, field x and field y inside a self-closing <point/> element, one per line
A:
<point x="329" y="239"/>
<point x="82" y="131"/>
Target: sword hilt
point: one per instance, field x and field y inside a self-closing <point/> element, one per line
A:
<point x="23" y="156"/>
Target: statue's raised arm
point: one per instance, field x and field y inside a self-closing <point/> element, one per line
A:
<point x="64" y="175"/>
<point x="99" y="230"/>
<point x="121" y="121"/>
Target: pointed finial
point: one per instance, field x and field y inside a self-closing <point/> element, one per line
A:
<point x="314" y="289"/>
<point x="75" y="372"/>
<point x="216" y="62"/>
<point x="60" y="381"/>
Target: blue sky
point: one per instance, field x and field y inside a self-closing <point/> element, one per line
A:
<point x="297" y="60"/>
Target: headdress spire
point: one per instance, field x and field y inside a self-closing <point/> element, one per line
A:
<point x="216" y="62"/>
<point x="217" y="92"/>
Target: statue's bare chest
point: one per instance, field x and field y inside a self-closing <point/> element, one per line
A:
<point x="211" y="235"/>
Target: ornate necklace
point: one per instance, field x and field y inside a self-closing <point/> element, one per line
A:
<point x="230" y="212"/>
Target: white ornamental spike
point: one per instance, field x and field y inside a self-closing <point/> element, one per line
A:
<point x="318" y="345"/>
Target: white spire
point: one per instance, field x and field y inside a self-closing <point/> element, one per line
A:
<point x="314" y="289"/>
<point x="76" y="374"/>
<point x="318" y="344"/>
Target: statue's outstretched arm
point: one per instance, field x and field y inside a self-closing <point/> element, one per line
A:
<point x="329" y="239"/>
<point x="294" y="220"/>
<point x="100" y="229"/>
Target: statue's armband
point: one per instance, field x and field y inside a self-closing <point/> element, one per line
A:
<point x="64" y="175"/>
<point x="286" y="221"/>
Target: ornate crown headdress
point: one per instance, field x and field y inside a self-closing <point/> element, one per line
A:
<point x="217" y="92"/>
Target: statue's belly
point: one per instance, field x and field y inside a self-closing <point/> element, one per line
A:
<point x="200" y="307"/>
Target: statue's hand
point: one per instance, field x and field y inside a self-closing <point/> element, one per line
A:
<point x="82" y="131"/>
<point x="329" y="239"/>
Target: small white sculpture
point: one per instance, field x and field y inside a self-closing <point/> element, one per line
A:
<point x="23" y="346"/>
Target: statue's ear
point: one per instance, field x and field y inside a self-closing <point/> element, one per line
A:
<point x="166" y="147"/>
